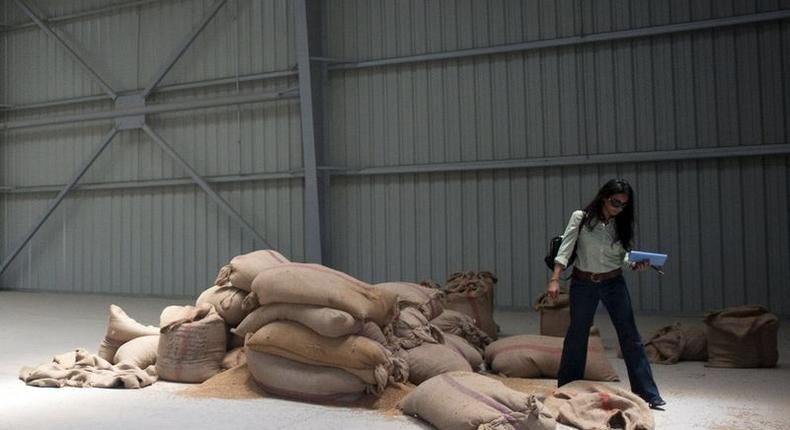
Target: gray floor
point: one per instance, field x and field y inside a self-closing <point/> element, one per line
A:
<point x="36" y="326"/>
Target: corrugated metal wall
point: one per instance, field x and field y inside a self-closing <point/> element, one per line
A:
<point x="723" y="221"/>
<point x="162" y="240"/>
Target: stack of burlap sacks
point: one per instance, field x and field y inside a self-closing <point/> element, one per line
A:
<point x="735" y="337"/>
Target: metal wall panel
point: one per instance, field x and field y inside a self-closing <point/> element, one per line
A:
<point x="703" y="89"/>
<point x="148" y="240"/>
<point x="128" y="46"/>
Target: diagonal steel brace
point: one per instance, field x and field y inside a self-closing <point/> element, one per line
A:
<point x="204" y="185"/>
<point x="73" y="182"/>
<point x="102" y="82"/>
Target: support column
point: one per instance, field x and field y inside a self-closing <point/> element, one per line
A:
<point x="307" y="14"/>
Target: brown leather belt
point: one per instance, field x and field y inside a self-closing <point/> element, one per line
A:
<point x="595" y="277"/>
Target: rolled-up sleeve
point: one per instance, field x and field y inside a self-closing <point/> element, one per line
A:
<point x="569" y="238"/>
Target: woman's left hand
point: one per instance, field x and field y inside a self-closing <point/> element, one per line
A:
<point x="641" y="266"/>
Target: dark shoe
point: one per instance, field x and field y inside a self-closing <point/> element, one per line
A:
<point x="657" y="404"/>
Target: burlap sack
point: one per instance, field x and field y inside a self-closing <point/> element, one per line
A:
<point x="463" y="325"/>
<point x="228" y="302"/>
<point x="322" y="320"/>
<point x="675" y="343"/>
<point x="358" y="355"/>
<point x="242" y="269"/>
<point x="473" y="294"/>
<point x="532" y="356"/>
<point x="288" y="378"/>
<point x="139" y="352"/>
<point x="555" y="315"/>
<point x="79" y="368"/>
<point x="590" y="405"/>
<point x="313" y="284"/>
<point x="742" y="336"/>
<point x="466" y="349"/>
<point x="234" y="357"/>
<point x="431" y="359"/>
<point x="121" y="329"/>
<point x="412" y="329"/>
<point x="372" y="331"/>
<point x="427" y="300"/>
<point x="468" y="401"/>
<point x="191" y="348"/>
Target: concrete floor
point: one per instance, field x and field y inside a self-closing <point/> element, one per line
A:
<point x="36" y="326"/>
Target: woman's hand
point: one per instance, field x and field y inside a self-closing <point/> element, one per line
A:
<point x="641" y="266"/>
<point x="553" y="288"/>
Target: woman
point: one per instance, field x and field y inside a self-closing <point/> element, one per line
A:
<point x="600" y="236"/>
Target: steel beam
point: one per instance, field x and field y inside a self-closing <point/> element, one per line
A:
<point x="313" y="204"/>
<point x="154" y="183"/>
<point x="575" y="160"/>
<point x="153" y="109"/>
<point x="29" y="12"/>
<point x="208" y="83"/>
<point x="572" y="40"/>
<point x="69" y="186"/>
<point x="182" y="48"/>
<point x="204" y="185"/>
<point x="78" y="15"/>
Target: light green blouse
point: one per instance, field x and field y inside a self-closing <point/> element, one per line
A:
<point x="597" y="251"/>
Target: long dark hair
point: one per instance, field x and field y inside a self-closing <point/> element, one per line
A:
<point x="624" y="221"/>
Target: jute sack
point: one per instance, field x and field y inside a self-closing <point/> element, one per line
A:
<point x="234" y="357"/>
<point x="427" y="300"/>
<point x="228" y="302"/>
<point x="675" y="343"/>
<point x="431" y="359"/>
<point x="412" y="329"/>
<point x="555" y="315"/>
<point x="322" y="320"/>
<point x="742" y="336"/>
<point x="466" y="349"/>
<point x="191" y="348"/>
<point x="121" y="329"/>
<point x="372" y="331"/>
<point x="140" y="351"/>
<point x="314" y="284"/>
<point x="242" y="269"/>
<point x="473" y="294"/>
<point x="468" y="401"/>
<point x="532" y="356"/>
<point x="358" y="355"/>
<point x="590" y="405"/>
<point x="288" y="378"/>
<point x="463" y="325"/>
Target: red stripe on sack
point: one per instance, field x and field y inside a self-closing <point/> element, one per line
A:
<point x="329" y="271"/>
<point x="274" y="255"/>
<point x="542" y="348"/>
<point x="605" y="401"/>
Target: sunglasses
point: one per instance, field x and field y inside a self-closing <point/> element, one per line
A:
<point x="617" y="203"/>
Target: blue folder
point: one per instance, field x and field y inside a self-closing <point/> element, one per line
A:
<point x="656" y="259"/>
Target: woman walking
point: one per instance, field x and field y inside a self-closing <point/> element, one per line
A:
<point x="600" y="236"/>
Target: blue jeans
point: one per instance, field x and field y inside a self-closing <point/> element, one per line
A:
<point x="584" y="297"/>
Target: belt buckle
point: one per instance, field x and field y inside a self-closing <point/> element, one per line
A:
<point x="595" y="277"/>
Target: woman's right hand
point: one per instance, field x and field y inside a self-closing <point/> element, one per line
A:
<point x="553" y="288"/>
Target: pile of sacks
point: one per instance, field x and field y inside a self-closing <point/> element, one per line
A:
<point x="736" y="337"/>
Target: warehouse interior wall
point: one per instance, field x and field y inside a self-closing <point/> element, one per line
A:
<point x="594" y="110"/>
<point x="435" y="164"/>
